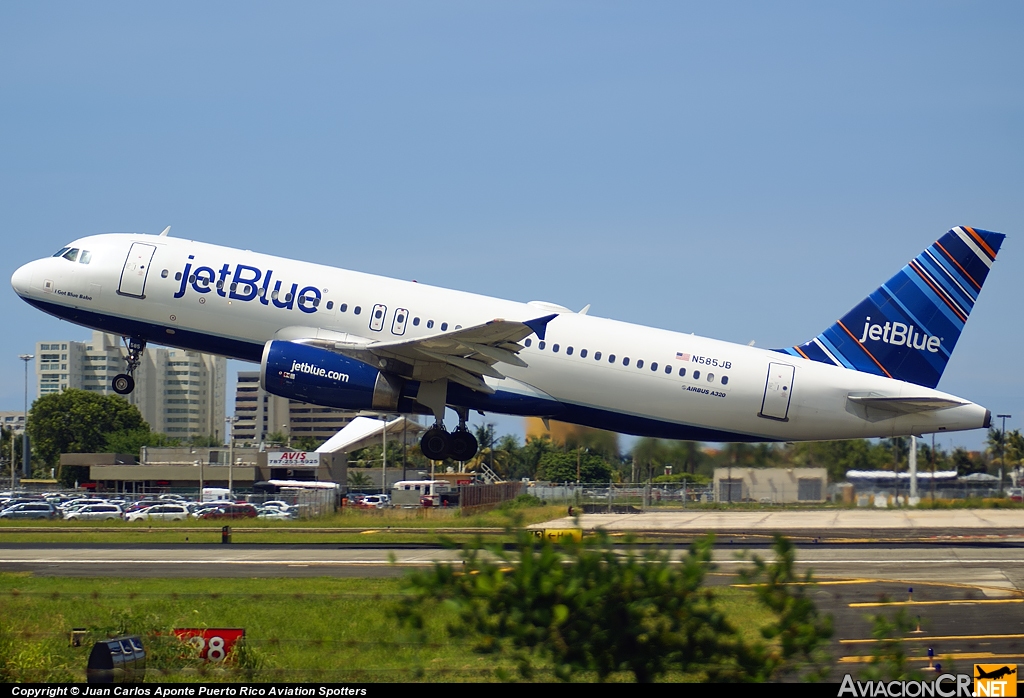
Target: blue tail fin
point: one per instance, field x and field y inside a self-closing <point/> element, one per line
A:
<point x="908" y="328"/>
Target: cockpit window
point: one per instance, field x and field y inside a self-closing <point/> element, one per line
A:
<point x="71" y="255"/>
<point x="61" y="251"/>
<point x="85" y="257"/>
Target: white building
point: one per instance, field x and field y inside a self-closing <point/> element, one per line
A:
<point x="179" y="393"/>
<point x="13" y="420"/>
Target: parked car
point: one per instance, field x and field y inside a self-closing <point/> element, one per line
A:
<point x="95" y="512"/>
<point x="273" y="513"/>
<point x="374" y="501"/>
<point x="30" y="510"/>
<point x="230" y="511"/>
<point x="160" y="512"/>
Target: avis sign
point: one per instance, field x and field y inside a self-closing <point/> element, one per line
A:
<point x="214" y="644"/>
<point x="293" y="459"/>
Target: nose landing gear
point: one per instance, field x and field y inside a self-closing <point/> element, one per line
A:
<point x="124" y="383"/>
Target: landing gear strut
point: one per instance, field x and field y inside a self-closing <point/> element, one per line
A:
<point x="123" y="383"/>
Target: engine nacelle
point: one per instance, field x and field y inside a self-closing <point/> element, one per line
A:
<point x="322" y="377"/>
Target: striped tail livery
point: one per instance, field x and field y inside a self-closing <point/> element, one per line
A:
<point x="907" y="329"/>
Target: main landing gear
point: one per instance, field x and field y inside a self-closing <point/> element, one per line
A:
<point x="123" y="383"/>
<point x="460" y="445"/>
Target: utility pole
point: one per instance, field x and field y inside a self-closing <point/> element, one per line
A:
<point x="1002" y="449"/>
<point x="26" y="465"/>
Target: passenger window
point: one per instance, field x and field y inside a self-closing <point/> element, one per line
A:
<point x="234" y="287"/>
<point x="654" y="366"/>
<point x="356" y="310"/>
<point x="415" y="322"/>
<point x="528" y="342"/>
<point x="639" y="363"/>
<point x="458" y="327"/>
<point x="262" y="293"/>
<point x="554" y="348"/>
<point x="87" y="257"/>
<point x="163" y="274"/>
<point x="540" y="345"/>
<point x="711" y="377"/>
<point x="288" y="297"/>
<point x="625" y="361"/>
<point x="274" y="295"/>
<point x="444" y="326"/>
<point x="696" y="375"/>
<point x="220" y="284"/>
<point x="668" y="370"/>
<point x="568" y="350"/>
<point x="682" y="372"/>
<point x="71" y="255"/>
<point x="177" y="276"/>
<point x="583" y="353"/>
<point x="343" y="307"/>
<point x="611" y="358"/>
<point x="725" y="380"/>
<point x="377" y="313"/>
<point x="597" y="356"/>
<point x="330" y="304"/>
<point x="430" y="324"/>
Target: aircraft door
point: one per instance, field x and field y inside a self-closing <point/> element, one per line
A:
<point x="778" y="390"/>
<point x="136" y="268"/>
<point x="401" y="317"/>
<point x="377" y="317"/>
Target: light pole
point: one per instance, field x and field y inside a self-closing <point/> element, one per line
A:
<point x="1002" y="449"/>
<point x="200" y="464"/>
<point x="231" y="454"/>
<point x="26" y="466"/>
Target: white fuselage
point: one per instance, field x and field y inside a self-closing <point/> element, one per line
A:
<point x="727" y="391"/>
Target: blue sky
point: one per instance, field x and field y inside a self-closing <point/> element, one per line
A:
<point x="746" y="171"/>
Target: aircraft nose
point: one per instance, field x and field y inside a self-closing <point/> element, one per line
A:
<point x="21" y="280"/>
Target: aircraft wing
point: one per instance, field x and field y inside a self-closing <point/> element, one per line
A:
<point x="905" y="405"/>
<point x="464" y="355"/>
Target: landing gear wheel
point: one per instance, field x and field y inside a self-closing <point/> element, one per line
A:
<point x="123" y="384"/>
<point x="436" y="444"/>
<point x="464" y="445"/>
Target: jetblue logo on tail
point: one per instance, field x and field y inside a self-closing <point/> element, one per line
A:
<point x="919" y="313"/>
<point x="900" y="335"/>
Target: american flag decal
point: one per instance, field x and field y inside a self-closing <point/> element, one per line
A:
<point x="682" y="357"/>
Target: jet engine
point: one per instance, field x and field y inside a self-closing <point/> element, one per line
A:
<point x="322" y="377"/>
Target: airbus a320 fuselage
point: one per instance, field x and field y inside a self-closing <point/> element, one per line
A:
<point x="346" y="339"/>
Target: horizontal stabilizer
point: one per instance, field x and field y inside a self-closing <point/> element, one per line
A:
<point x="905" y="405"/>
<point x="907" y="329"/>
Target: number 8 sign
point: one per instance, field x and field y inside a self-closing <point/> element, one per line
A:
<point x="213" y="644"/>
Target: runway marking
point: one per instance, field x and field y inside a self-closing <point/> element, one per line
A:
<point x="946" y="602"/>
<point x="861" y="659"/>
<point x="935" y="637"/>
<point x="822" y="583"/>
<point x="288" y="563"/>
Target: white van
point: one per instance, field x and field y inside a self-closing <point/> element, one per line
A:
<point x="409" y="492"/>
<point x="216" y="494"/>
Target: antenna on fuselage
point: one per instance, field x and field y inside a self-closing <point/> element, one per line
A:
<point x="585" y="310"/>
<point x="166" y="230"/>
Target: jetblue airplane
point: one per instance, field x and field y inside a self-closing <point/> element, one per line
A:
<point x="344" y="339"/>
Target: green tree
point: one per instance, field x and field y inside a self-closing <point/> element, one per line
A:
<point x="562" y="467"/>
<point x="358" y="479"/>
<point x="131" y="441"/>
<point x="77" y="421"/>
<point x="592" y="608"/>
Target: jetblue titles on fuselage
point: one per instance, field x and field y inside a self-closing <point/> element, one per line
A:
<point x="245" y="285"/>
